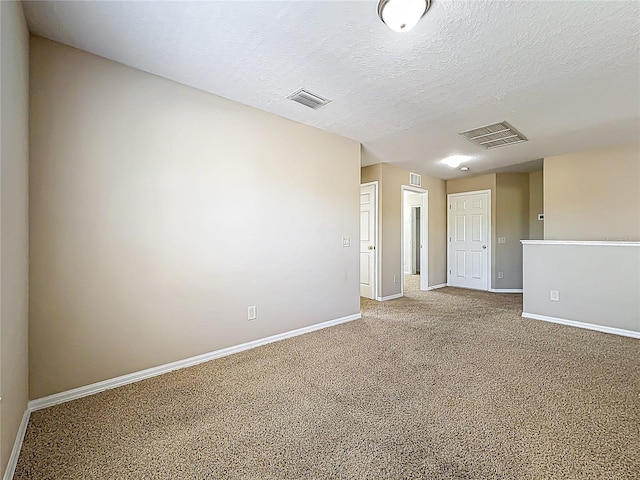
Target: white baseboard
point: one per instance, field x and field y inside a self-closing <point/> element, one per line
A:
<point x="389" y="297"/>
<point x="588" y="326"/>
<point x="17" y="446"/>
<point x="435" y="287"/>
<point x="505" y="290"/>
<point x="93" y="388"/>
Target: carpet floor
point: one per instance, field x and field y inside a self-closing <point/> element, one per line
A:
<point x="446" y="384"/>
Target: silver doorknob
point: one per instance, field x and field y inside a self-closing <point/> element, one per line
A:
<point x="484" y="246"/>
<point x="371" y="247"/>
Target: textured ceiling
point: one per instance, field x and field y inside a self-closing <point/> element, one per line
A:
<point x="564" y="73"/>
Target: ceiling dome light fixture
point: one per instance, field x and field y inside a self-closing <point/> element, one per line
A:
<point x="454" y="161"/>
<point x="402" y="15"/>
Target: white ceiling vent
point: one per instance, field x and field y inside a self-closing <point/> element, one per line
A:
<point x="308" y="99"/>
<point x="494" y="136"/>
<point x="415" y="179"/>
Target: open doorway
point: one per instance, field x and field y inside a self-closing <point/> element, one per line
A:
<point x="414" y="245"/>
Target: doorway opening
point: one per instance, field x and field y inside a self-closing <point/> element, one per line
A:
<point x="414" y="244"/>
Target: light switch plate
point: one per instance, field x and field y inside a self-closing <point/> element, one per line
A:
<point x="502" y="239"/>
<point x="346" y="241"/>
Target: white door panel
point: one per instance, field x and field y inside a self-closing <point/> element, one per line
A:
<point x="365" y="269"/>
<point x="476" y="265"/>
<point x="476" y="228"/>
<point x="460" y="269"/>
<point x="469" y="240"/>
<point x="367" y="240"/>
<point x="460" y="234"/>
<point x="365" y="229"/>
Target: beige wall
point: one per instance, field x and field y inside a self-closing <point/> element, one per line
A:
<point x="512" y="222"/>
<point x="159" y="213"/>
<point x="597" y="284"/>
<point x="371" y="173"/>
<point x="14" y="224"/>
<point x="509" y="218"/>
<point x="593" y="195"/>
<point x="391" y="179"/>
<point x="471" y="184"/>
<point x="536" y="227"/>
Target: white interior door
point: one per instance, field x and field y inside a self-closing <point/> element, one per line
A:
<point x="469" y="248"/>
<point x="368" y="214"/>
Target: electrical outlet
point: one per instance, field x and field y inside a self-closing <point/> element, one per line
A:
<point x="554" y="295"/>
<point x="252" y="313"/>
<point x="346" y="241"/>
<point x="500" y="274"/>
<point x="395" y="279"/>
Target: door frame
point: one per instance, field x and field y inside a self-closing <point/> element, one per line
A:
<point x="424" y="236"/>
<point x="416" y="233"/>
<point x="376" y="251"/>
<point x="489" y="235"/>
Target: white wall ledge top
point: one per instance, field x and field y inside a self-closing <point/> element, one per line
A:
<point x="606" y="243"/>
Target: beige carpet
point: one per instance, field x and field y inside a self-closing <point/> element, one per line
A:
<point x="449" y="384"/>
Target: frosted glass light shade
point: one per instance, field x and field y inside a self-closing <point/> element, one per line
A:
<point x="454" y="161"/>
<point x="402" y="15"/>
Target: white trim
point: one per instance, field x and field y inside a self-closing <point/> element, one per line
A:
<point x="390" y="297"/>
<point x="424" y="235"/>
<point x="605" y="243"/>
<point x="17" y="446"/>
<point x="435" y="287"/>
<point x="416" y="269"/>
<point x="588" y="326"/>
<point x="489" y="236"/>
<point x="93" y="388"/>
<point x="376" y="255"/>
<point x="505" y="290"/>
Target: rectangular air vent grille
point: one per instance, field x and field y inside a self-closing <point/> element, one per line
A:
<point x="308" y="99"/>
<point x="415" y="179"/>
<point x="494" y="136"/>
